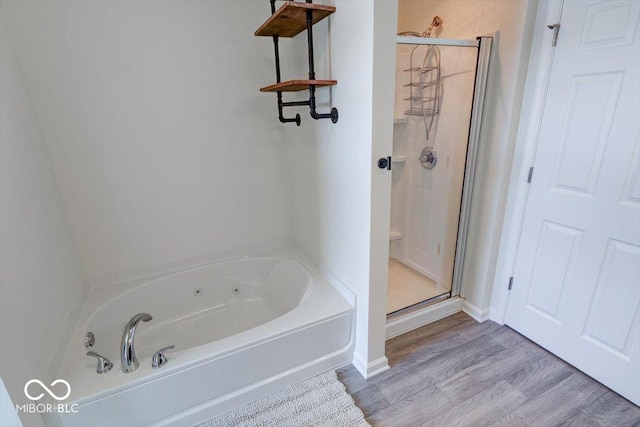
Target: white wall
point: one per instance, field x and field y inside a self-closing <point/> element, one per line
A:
<point x="333" y="164"/>
<point x="40" y="274"/>
<point x="466" y="19"/>
<point x="163" y="147"/>
<point x="331" y="173"/>
<point x="384" y="43"/>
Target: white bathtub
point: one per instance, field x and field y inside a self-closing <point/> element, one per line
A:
<point x="242" y="328"/>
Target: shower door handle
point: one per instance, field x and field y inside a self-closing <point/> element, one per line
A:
<point x="384" y="163"/>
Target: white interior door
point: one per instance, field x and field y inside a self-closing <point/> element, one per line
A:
<point x="576" y="288"/>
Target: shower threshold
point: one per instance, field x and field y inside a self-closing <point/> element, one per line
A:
<point x="419" y="306"/>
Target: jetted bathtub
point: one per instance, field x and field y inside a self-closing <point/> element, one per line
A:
<point x="242" y="328"/>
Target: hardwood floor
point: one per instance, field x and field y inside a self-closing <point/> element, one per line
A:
<point x="457" y="372"/>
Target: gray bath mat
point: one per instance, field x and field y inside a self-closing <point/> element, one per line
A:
<point x="318" y="401"/>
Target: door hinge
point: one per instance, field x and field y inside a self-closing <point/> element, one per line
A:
<point x="556" y="29"/>
<point x="510" y="282"/>
<point x="530" y="175"/>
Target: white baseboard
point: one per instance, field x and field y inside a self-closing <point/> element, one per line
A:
<point x="371" y="369"/>
<point x="418" y="318"/>
<point x="475" y="312"/>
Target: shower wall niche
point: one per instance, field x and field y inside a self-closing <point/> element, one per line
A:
<point x="425" y="203"/>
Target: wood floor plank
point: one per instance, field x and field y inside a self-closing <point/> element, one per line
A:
<point x="613" y="410"/>
<point x="423" y="347"/>
<point x="413" y="410"/>
<point x="370" y="400"/>
<point x="425" y="374"/>
<point x="490" y="371"/>
<point x="561" y="402"/>
<point x="506" y="337"/>
<point x="352" y="379"/>
<point x="475" y="330"/>
<point x="414" y="352"/>
<point x="536" y="352"/>
<point x="540" y="376"/>
<point x="510" y="420"/>
<point x="482" y="409"/>
<point x="459" y="360"/>
<point x="448" y="324"/>
<point x="405" y="384"/>
<point x="489" y="375"/>
<point x="580" y="420"/>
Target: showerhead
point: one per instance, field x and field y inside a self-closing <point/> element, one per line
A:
<point x="436" y="22"/>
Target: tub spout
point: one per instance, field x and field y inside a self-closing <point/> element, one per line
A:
<point x="128" y="354"/>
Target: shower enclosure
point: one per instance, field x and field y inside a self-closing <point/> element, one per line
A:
<point x="440" y="88"/>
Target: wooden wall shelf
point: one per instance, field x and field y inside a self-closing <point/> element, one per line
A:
<point x="297" y="85"/>
<point x="291" y="19"/>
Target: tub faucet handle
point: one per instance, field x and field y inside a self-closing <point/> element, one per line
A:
<point x="104" y="364"/>
<point x="159" y="359"/>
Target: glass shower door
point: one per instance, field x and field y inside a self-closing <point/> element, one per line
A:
<point x="436" y="148"/>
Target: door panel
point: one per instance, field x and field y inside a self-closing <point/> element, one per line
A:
<point x="618" y="286"/>
<point x="590" y="106"/>
<point x="553" y="269"/>
<point x="577" y="275"/>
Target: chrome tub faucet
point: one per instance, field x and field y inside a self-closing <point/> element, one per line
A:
<point x="128" y="354"/>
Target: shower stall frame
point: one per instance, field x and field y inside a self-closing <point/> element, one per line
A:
<point x="484" y="46"/>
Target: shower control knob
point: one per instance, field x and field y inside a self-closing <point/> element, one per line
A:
<point x="384" y="163"/>
<point x="428" y="158"/>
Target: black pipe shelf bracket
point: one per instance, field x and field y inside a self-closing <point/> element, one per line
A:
<point x="289" y="20"/>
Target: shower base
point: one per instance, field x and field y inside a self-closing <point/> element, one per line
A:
<point x="406" y="287"/>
